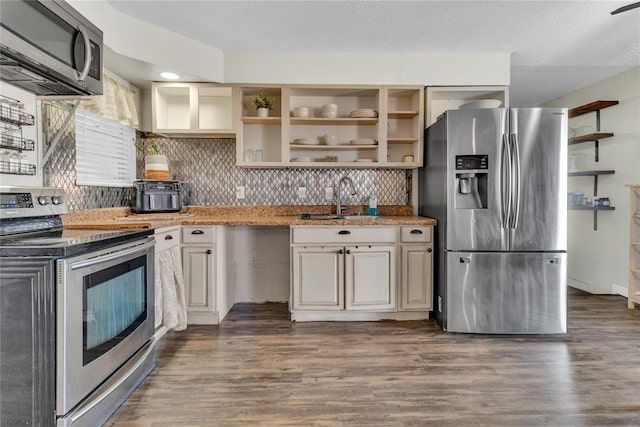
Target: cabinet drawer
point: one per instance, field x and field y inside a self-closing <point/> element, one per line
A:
<point x="344" y="234"/>
<point x="415" y="233"/>
<point x="167" y="238"/>
<point x="195" y="234"/>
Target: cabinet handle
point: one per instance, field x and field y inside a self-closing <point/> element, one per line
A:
<point x="416" y="231"/>
<point x="429" y="250"/>
<point x="344" y="232"/>
<point x="197" y="232"/>
<point x="348" y="252"/>
<point x="208" y="251"/>
<point x="340" y="251"/>
<point x="465" y="260"/>
<point x="169" y="237"/>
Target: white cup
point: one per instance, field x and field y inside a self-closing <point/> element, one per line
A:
<point x="301" y="112"/>
<point x="258" y="156"/>
<point x="407" y="159"/>
<point x="330" y="139"/>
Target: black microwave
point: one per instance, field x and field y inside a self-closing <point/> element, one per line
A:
<point x="49" y="48"/>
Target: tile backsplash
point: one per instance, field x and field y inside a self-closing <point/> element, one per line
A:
<point x="207" y="168"/>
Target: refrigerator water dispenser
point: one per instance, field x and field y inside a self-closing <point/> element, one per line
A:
<point x="471" y="181"/>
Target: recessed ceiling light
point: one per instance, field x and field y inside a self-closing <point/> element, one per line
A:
<point x="169" y="76"/>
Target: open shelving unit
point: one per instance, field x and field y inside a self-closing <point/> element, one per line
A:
<point x="12" y="119"/>
<point x="592" y="107"/>
<point x="634" y="246"/>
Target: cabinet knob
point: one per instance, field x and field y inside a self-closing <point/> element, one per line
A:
<point x="208" y="251"/>
<point x="348" y="252"/>
<point x="197" y="232"/>
<point x="416" y="231"/>
<point x="344" y="232"/>
<point x="169" y="237"/>
<point x="429" y="250"/>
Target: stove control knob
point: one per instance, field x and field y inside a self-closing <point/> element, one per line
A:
<point x="56" y="200"/>
<point x="43" y="200"/>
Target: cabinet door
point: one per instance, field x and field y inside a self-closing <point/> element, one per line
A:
<point x="199" y="273"/>
<point x="370" y="277"/>
<point x="318" y="278"/>
<point x="416" y="288"/>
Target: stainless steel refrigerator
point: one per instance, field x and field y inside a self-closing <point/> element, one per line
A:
<point x="496" y="181"/>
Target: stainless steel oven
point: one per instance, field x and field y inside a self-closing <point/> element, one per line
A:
<point x="76" y="313"/>
<point x="104" y="315"/>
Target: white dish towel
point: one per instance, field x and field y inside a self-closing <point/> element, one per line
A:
<point x="171" y="307"/>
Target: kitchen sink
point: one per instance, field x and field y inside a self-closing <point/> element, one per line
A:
<point x="321" y="217"/>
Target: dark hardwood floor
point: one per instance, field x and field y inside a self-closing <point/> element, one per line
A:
<point x="257" y="368"/>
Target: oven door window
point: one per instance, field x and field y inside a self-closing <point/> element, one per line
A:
<point x="114" y="304"/>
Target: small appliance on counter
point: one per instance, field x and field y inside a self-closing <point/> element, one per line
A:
<point x="157" y="196"/>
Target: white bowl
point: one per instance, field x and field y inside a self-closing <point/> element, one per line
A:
<point x="329" y="114"/>
<point x="483" y="103"/>
<point x="330" y="107"/>
<point x="301" y="112"/>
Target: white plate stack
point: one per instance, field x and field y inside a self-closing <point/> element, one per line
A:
<point x="364" y="113"/>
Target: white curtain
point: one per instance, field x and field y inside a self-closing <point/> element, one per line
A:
<point x="117" y="103"/>
<point x="171" y="306"/>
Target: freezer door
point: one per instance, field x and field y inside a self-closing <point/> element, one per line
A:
<point x="538" y="138"/>
<point x="476" y="210"/>
<point x="506" y="293"/>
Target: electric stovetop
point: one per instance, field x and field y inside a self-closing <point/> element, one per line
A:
<point x="65" y="243"/>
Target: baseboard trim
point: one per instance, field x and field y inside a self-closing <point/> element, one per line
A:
<point x="350" y="316"/>
<point x="620" y="290"/>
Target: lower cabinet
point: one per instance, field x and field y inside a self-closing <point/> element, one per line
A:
<point x="370" y="277"/>
<point x="351" y="273"/>
<point x="416" y="268"/>
<point x="199" y="269"/>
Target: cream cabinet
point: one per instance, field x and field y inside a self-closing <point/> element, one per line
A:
<point x="318" y="278"/>
<point x="392" y="137"/>
<point x="439" y="99"/>
<point x="343" y="269"/>
<point x="199" y="269"/>
<point x="416" y="270"/>
<point x="370" y="273"/>
<point x="192" y="109"/>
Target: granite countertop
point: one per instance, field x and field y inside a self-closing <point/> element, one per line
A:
<point x="122" y="218"/>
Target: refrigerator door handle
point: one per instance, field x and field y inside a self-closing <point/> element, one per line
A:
<point x="505" y="178"/>
<point x="516" y="177"/>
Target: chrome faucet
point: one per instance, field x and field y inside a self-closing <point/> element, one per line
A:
<point x="352" y="188"/>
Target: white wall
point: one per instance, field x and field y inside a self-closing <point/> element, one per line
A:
<point x="150" y="43"/>
<point x="599" y="260"/>
<point x="432" y="69"/>
<point x="29" y="132"/>
<point x="261" y="263"/>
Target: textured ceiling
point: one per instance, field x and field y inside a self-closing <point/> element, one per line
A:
<point x="556" y="46"/>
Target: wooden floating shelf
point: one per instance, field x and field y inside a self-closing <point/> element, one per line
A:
<point x="589" y="137"/>
<point x="332" y="147"/>
<point x="248" y="120"/>
<point x="592" y="173"/>
<point x="590" y="107"/>
<point x="330" y="122"/>
<point x="402" y="114"/>
<point x="401" y="140"/>
<point x="592" y="208"/>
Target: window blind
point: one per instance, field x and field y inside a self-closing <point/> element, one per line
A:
<point x="105" y="151"/>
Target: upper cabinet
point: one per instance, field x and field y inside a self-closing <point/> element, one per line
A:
<point x="442" y="98"/>
<point x="192" y="109"/>
<point x="315" y="126"/>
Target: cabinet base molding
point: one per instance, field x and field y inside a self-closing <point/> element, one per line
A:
<point x="202" y="318"/>
<point x="350" y="316"/>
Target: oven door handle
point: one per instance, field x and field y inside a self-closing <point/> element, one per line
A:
<point x="113" y="255"/>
